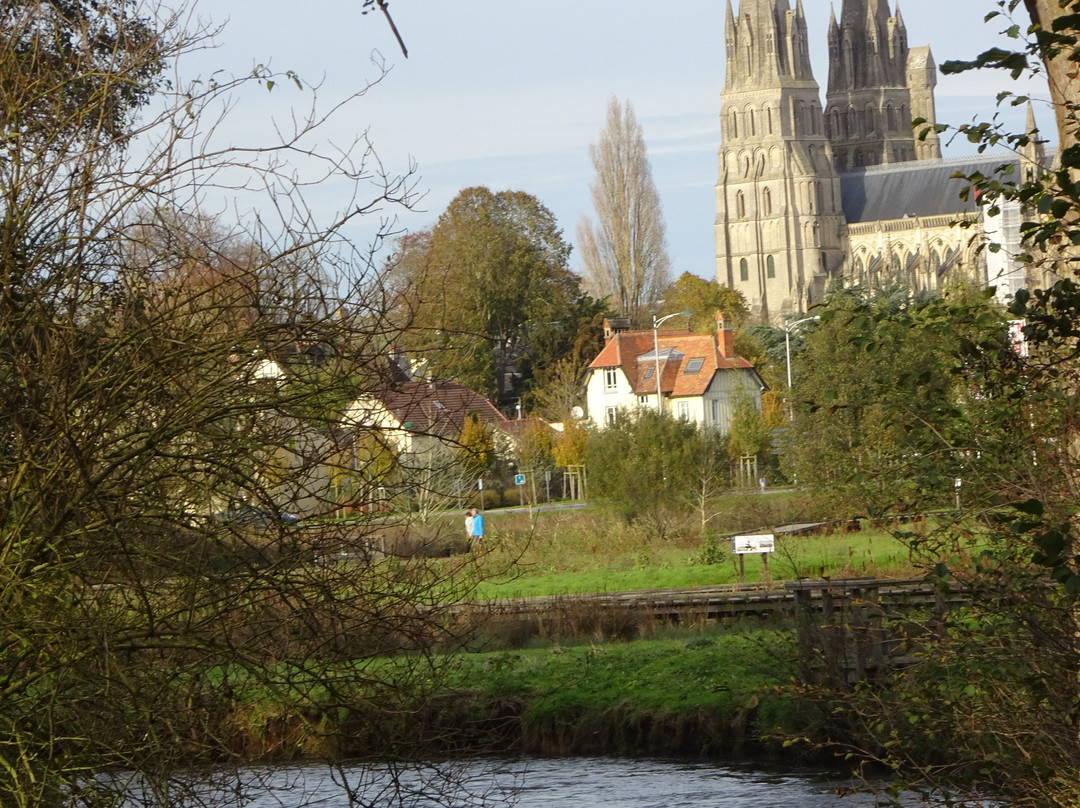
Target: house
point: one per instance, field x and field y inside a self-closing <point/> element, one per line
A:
<point x="412" y="414"/>
<point x="697" y="377"/>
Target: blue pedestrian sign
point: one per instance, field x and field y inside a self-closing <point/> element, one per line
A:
<point x="519" y="479"/>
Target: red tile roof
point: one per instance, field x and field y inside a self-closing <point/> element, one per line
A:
<point x="625" y="348"/>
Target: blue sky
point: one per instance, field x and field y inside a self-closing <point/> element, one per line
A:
<point x="510" y="94"/>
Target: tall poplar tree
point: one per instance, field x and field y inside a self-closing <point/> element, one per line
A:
<point x="625" y="251"/>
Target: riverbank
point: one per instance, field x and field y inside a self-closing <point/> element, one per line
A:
<point x="713" y="693"/>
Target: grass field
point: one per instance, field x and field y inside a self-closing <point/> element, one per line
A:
<point x="591" y="550"/>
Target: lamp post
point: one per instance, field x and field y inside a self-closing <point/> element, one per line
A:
<point x="787" y="356"/>
<point x="656" y="323"/>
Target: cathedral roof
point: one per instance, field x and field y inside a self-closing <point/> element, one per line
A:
<point x="916" y="188"/>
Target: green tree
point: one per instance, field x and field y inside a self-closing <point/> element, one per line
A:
<point x="652" y="465"/>
<point x="492" y="273"/>
<point x="703" y="299"/>
<point x="873" y="393"/>
<point x="625" y="251"/>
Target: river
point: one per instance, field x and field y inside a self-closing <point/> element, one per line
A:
<point x="588" y="782"/>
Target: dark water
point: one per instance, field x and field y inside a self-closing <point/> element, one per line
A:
<point x="591" y="782"/>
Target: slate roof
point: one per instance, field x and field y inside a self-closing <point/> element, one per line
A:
<point x="438" y="408"/>
<point x="633" y="352"/>
<point x="916" y="188"/>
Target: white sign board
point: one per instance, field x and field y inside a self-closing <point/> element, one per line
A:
<point x="755" y="543"/>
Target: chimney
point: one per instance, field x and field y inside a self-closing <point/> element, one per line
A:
<point x="613" y="326"/>
<point x="725" y="339"/>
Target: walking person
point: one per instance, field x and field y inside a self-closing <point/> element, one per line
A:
<point x="468" y="525"/>
<point x="477" y="530"/>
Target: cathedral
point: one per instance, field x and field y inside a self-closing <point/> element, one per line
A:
<point x="849" y="191"/>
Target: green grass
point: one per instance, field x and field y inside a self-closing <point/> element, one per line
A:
<point x="705" y="679"/>
<point x="557" y="559"/>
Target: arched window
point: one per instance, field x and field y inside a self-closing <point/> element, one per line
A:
<point x="935" y="259"/>
<point x="770" y="267"/>
<point x="734" y="126"/>
<point x="766" y="202"/>
<point x="749" y="115"/>
<point x="744" y="270"/>
<point x="740" y="205"/>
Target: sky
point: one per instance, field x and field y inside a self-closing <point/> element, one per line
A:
<point x="509" y="94"/>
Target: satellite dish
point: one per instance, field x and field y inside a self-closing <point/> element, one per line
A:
<point x="577" y="413"/>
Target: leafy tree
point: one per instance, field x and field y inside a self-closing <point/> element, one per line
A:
<point x="569" y="449"/>
<point x="491" y="274"/>
<point x="152" y="391"/>
<point x="874" y="392"/>
<point x="703" y="299"/>
<point x="476" y="447"/>
<point x="652" y="465"/>
<point x="625" y="253"/>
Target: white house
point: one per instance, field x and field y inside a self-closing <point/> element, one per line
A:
<point x="697" y="377"/>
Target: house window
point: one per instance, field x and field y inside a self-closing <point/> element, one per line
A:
<point x="715" y="411"/>
<point x="648" y="373"/>
<point x="643" y="401"/>
<point x="684" y="410"/>
<point x="611" y="380"/>
<point x="609" y="416"/>
<point x="694" y="365"/>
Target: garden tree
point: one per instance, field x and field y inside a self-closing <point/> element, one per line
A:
<point x="624" y="251"/>
<point x="752" y="430"/>
<point x="150" y="378"/>
<point x="988" y="698"/>
<point x="491" y="272"/>
<point x="703" y="299"/>
<point x="870" y="399"/>
<point x="553" y="369"/>
<point x="476" y="448"/>
<point x="569" y="449"/>
<point x="651" y="464"/>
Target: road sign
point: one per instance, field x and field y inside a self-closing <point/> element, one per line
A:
<point x="519" y="479"/>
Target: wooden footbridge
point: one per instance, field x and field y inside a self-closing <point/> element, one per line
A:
<point x="705" y="603"/>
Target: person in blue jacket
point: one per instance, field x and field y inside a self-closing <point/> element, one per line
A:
<point x="477" y="529"/>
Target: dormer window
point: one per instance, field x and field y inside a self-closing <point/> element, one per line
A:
<point x="694" y="365"/>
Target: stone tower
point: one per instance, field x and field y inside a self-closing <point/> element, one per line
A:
<point x="779" y="228"/>
<point x="877" y="85"/>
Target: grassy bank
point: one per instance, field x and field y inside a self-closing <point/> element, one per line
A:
<point x="708" y="693"/>
<point x="703" y="693"/>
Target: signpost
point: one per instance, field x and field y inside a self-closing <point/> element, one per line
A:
<point x="519" y="481"/>
<point x="763" y="543"/>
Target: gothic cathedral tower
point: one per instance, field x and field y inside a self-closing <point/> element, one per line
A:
<point x="780" y="230"/>
<point x="877" y="85"/>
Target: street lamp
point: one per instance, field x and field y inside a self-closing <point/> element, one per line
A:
<point x="656" y="350"/>
<point x="787" y="356"/>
